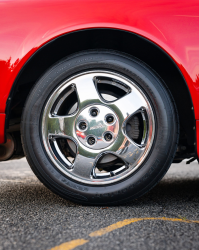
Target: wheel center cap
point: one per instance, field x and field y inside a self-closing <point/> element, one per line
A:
<point x="97" y="126"/>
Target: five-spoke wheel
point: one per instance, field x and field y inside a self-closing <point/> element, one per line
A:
<point x="98" y="127"/>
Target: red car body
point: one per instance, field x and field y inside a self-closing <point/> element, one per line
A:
<point x="26" y="26"/>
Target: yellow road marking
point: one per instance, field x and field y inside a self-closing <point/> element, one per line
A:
<point x="112" y="227"/>
<point x="74" y="243"/>
<point x="123" y="223"/>
<point x="70" y="245"/>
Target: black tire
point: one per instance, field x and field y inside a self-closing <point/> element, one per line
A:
<point x="158" y="160"/>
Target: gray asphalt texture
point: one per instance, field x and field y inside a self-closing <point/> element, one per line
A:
<point x="32" y="217"/>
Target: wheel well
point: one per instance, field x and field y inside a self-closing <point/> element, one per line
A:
<point x="122" y="41"/>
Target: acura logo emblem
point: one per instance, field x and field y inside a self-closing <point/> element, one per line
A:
<point x="98" y="126"/>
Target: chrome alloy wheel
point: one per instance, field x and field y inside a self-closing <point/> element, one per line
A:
<point x="99" y="128"/>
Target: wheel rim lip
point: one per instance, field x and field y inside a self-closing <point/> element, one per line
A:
<point x="48" y="106"/>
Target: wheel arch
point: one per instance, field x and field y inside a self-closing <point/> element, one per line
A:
<point x="114" y="39"/>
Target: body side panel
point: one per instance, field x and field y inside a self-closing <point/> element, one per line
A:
<point x="2" y="127"/>
<point x="27" y="25"/>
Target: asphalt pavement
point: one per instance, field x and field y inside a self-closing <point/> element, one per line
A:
<point x="32" y="217"/>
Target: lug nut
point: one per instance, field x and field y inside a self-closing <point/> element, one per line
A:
<point x="109" y="119"/>
<point x="108" y="136"/>
<point x="82" y="125"/>
<point x="91" y="140"/>
<point x="94" y="112"/>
